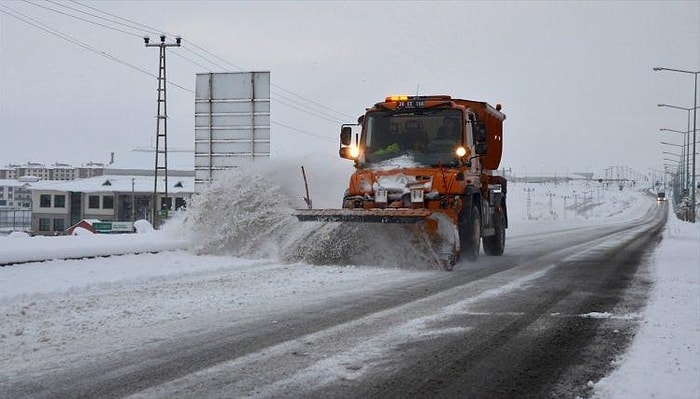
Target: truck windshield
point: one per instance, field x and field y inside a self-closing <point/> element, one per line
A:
<point x="429" y="137"/>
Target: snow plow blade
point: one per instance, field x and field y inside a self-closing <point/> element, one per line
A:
<point x="391" y="215"/>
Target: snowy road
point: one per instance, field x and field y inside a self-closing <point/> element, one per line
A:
<point x="544" y="319"/>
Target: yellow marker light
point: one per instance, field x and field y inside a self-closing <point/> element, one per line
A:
<point x="461" y="151"/>
<point x="396" y="98"/>
<point x="354" y="152"/>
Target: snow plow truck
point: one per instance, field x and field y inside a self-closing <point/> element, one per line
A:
<point x="430" y="161"/>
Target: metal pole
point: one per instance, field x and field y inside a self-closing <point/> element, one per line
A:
<point x="686" y="159"/>
<point x="685" y="177"/>
<point x="133" y="201"/>
<point x="162" y="102"/>
<point x="695" y="118"/>
<point x="695" y="114"/>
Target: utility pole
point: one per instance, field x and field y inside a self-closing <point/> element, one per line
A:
<point x="161" y="119"/>
<point x="133" y="201"/>
<point x="565" y="197"/>
<point x="550" y="195"/>
<point x="529" y="191"/>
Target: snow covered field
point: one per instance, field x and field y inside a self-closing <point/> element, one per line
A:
<point x="226" y="259"/>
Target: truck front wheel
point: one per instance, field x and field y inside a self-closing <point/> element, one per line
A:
<point x="470" y="231"/>
<point x="495" y="244"/>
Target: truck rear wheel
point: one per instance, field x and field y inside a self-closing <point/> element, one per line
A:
<point x="470" y="231"/>
<point x="495" y="244"/>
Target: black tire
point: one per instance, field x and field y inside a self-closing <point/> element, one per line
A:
<point x="470" y="231"/>
<point x="495" y="244"/>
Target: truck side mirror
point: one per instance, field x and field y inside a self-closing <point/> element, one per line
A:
<point x="345" y="135"/>
<point x="481" y="148"/>
<point x="479" y="132"/>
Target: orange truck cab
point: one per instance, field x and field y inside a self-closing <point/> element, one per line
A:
<point x="430" y="159"/>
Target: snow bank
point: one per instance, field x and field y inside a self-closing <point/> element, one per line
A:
<point x="664" y="358"/>
<point x="23" y="248"/>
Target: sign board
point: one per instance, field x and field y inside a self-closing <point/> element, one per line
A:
<point x="232" y="123"/>
<point x="113" y="227"/>
<point x="122" y="227"/>
<point x="102" y="227"/>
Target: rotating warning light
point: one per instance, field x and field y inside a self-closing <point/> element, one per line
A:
<point x="396" y="98"/>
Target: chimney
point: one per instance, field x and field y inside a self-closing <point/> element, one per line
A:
<point x="111" y="158"/>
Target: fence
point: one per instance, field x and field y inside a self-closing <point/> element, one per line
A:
<point x="15" y="219"/>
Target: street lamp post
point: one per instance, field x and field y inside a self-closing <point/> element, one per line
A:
<point x="684" y="153"/>
<point x="695" y="120"/>
<point x="686" y="139"/>
<point x="683" y="171"/>
<point x="675" y="145"/>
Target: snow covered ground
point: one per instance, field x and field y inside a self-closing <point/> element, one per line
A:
<point x="220" y="256"/>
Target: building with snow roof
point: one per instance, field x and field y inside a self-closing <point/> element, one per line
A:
<point x="57" y="171"/>
<point x="139" y="161"/>
<point x="15" y="205"/>
<point x="57" y="205"/>
<point x="57" y="196"/>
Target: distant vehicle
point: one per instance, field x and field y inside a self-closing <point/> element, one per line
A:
<point x="661" y="196"/>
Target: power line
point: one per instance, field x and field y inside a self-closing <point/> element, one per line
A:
<point x="317" y="113"/>
<point x="280" y="97"/>
<point x="272" y="84"/>
<point x="186" y="48"/>
<point x="304" y="131"/>
<point x="79" y="18"/>
<point x="191" y="61"/>
<point x="37" y="24"/>
<point x="312" y="101"/>
<point x="148" y="28"/>
<point x="135" y="25"/>
<point x="41" y="26"/>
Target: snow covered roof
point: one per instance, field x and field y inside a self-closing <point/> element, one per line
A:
<point x="109" y="183"/>
<point x="12" y="183"/>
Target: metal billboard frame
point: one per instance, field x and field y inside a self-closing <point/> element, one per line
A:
<point x="232" y="123"/>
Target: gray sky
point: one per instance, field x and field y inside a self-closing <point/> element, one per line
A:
<point x="575" y="78"/>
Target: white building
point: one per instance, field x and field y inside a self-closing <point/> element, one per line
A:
<point x="57" y="205"/>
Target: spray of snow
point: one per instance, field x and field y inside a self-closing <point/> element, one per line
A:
<point x="251" y="215"/>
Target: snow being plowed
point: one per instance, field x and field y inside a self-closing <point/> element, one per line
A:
<point x="250" y="215"/>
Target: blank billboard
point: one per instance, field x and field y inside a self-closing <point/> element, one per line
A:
<point x="231" y="122"/>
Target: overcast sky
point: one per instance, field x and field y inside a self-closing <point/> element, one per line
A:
<point x="575" y="78"/>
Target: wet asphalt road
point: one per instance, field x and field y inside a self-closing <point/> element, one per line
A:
<point x="541" y="321"/>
